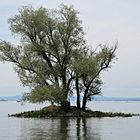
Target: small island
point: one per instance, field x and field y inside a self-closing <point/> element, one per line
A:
<point x="3" y="100"/>
<point x="56" y="62"/>
<point x="56" y="111"/>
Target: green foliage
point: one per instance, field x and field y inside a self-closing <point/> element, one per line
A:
<point x="52" y="93"/>
<point x="85" y="65"/>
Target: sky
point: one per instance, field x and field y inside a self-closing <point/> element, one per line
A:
<point x="104" y="22"/>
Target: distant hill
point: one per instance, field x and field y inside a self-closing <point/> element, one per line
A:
<point x="94" y="98"/>
<point x="103" y="98"/>
<point x="10" y="98"/>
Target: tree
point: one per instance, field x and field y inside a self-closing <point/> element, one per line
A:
<point x="48" y="59"/>
<point x="87" y="68"/>
<point x="48" y="38"/>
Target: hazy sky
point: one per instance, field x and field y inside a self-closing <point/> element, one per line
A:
<point x="104" y="21"/>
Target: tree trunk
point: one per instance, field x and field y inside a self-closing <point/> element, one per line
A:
<point x="84" y="100"/>
<point x="65" y="106"/>
<point x="78" y="94"/>
<point x="84" y="104"/>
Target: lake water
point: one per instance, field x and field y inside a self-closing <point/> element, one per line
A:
<point x="71" y="128"/>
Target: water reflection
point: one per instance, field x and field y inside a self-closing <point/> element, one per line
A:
<point x="88" y="129"/>
<point x="60" y="129"/>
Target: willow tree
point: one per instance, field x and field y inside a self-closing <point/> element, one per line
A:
<point x="48" y="38"/>
<point x="87" y="66"/>
<point x="44" y="58"/>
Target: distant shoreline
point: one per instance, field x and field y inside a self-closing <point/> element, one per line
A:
<point x="94" y="98"/>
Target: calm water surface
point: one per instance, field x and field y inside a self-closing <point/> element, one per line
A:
<point x="70" y="128"/>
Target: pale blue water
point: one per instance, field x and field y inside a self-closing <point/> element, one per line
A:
<point x="70" y="128"/>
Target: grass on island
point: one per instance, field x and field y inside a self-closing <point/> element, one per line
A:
<point x="55" y="111"/>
